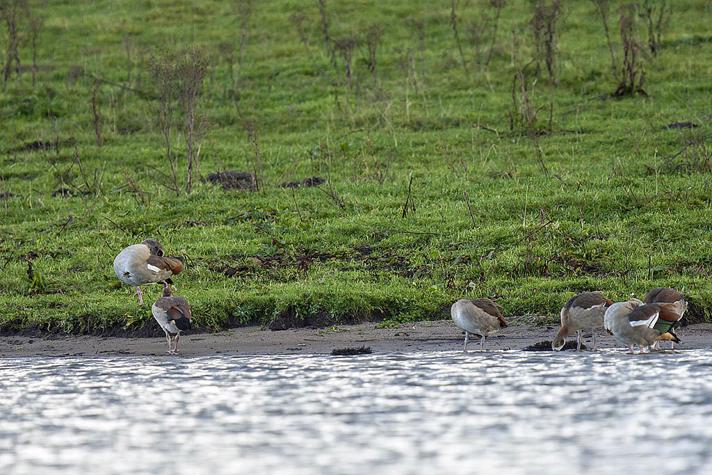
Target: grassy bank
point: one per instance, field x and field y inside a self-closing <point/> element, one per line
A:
<point x="595" y="192"/>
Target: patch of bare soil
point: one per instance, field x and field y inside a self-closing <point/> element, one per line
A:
<point x="681" y="125"/>
<point x="40" y="144"/>
<point x="233" y="180"/>
<point x="307" y="182"/>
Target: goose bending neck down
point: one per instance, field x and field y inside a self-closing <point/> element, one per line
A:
<point x="583" y="311"/>
<point x="481" y="317"/>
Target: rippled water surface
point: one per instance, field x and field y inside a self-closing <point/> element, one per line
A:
<point x="508" y="412"/>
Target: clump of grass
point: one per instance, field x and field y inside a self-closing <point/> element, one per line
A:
<point x="298" y="20"/>
<point x="36" y="280"/>
<point x="345" y="47"/>
<point x="657" y="18"/>
<point x="9" y="13"/>
<point x="374" y="34"/>
<point x="178" y="78"/>
<point x="524" y="115"/>
<point x="695" y="156"/>
<point x="604" y="12"/>
<point x="632" y="76"/>
<point x="544" y="25"/>
<point x="244" y="10"/>
<point x="455" y="26"/>
<point x="254" y="140"/>
<point x="480" y="27"/>
<point x="325" y="24"/>
<point x="497" y="5"/>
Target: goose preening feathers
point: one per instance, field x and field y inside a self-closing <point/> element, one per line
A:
<point x="669" y="320"/>
<point x="480" y="316"/>
<point x="632" y="323"/>
<point x="144" y="263"/>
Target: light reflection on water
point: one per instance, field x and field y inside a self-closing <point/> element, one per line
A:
<point x="444" y="412"/>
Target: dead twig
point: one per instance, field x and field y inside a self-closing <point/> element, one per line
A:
<point x="454" y="21"/>
<point x="70" y="220"/>
<point x="409" y="205"/>
<point x="96" y="116"/>
<point x="469" y="208"/>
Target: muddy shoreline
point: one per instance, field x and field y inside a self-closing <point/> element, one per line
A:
<point x="421" y="336"/>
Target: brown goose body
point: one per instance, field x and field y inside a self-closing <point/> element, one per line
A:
<point x="173" y="314"/>
<point x="481" y="317"/>
<point x="582" y="312"/>
<point x="673" y="311"/>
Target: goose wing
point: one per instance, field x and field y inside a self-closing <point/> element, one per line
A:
<point x="663" y="294"/>
<point x="158" y="264"/>
<point x="587" y="300"/>
<point x="491" y="308"/>
<point x="644" y="315"/>
<point x="178" y="311"/>
<point x="178" y="308"/>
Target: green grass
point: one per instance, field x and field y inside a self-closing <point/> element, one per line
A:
<point x="609" y="202"/>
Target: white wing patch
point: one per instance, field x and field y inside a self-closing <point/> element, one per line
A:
<point x="153" y="268"/>
<point x="650" y="323"/>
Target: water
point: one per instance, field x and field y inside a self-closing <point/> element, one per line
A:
<point x="445" y="412"/>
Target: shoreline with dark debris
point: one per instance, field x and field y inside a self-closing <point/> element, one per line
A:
<point x="440" y="335"/>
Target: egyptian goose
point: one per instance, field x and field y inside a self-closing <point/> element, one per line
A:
<point x="144" y="263"/>
<point x="668" y="321"/>
<point x="633" y="323"/>
<point x="480" y="316"/>
<point x="173" y="315"/>
<point x="582" y="312"/>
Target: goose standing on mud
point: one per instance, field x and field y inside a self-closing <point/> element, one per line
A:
<point x="633" y="323"/>
<point x="144" y="263"/>
<point x="173" y="315"/>
<point x="582" y="312"/>
<point x="670" y="320"/>
<point x="480" y="316"/>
